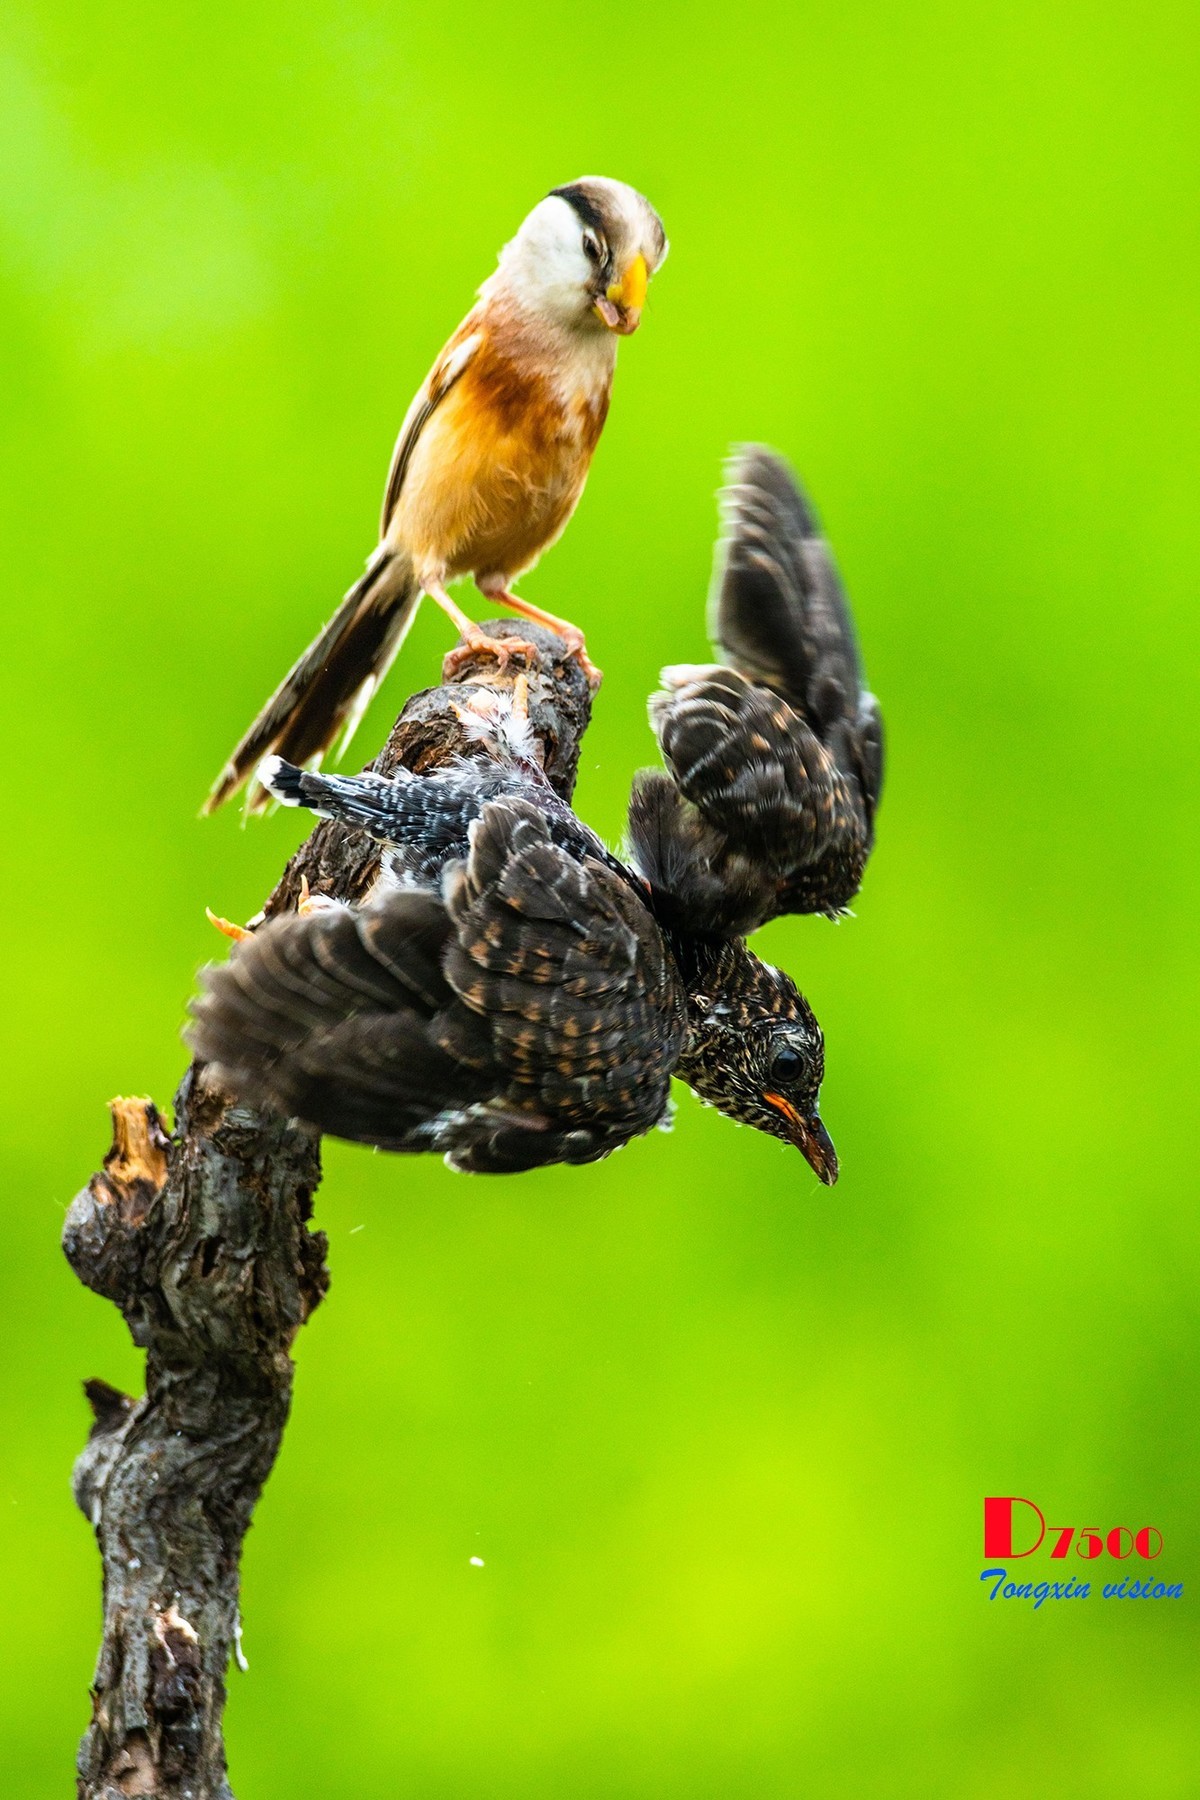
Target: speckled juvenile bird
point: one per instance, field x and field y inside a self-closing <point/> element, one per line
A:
<point x="515" y="994"/>
<point x="489" y="465"/>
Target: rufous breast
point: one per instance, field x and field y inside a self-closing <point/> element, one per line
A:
<point x="499" y="467"/>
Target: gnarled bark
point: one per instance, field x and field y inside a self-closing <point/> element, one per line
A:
<point x="201" y="1236"/>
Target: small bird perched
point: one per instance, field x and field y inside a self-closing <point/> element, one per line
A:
<point x="489" y="465"/>
<point x="514" y="994"/>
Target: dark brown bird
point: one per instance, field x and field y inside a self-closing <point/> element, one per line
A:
<point x="515" y="994"/>
<point x="775" y="755"/>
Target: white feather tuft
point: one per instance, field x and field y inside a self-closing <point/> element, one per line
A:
<point x="491" y="718"/>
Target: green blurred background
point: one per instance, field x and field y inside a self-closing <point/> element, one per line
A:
<point x="720" y="1437"/>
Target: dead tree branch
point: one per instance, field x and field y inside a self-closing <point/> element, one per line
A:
<point x="201" y="1237"/>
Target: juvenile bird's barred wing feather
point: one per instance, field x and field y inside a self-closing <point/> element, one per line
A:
<point x="775" y="757"/>
<point x="778" y="611"/>
<point x="569" y="969"/>
<point x="325" y="1017"/>
<point x="780" y="615"/>
<point x="529" y="1013"/>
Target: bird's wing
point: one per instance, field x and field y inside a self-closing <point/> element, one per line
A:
<point x="441" y="378"/>
<point x="325" y="1017"/>
<point x="561" y="958"/>
<point x="775" y="756"/>
<point x="529" y="1013"/>
<point x="780" y="615"/>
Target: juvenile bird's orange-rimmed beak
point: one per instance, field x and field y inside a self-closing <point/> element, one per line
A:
<point x="810" y="1138"/>
<point x="621" y="308"/>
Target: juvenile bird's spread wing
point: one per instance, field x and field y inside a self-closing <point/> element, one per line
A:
<point x="326" y="1018"/>
<point x="441" y="378"/>
<point x="774" y="756"/>
<point x="527" y="1013"/>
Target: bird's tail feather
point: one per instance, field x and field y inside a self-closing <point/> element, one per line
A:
<point x="327" y="691"/>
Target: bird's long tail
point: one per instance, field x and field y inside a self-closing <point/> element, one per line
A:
<point x="329" y="689"/>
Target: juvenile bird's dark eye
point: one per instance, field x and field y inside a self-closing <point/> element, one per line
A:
<point x="786" y="1064"/>
<point x="592" y="247"/>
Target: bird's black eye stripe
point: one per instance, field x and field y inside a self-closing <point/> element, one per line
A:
<point x="579" y="198"/>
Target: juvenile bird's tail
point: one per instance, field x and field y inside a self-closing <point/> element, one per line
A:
<point x="329" y="689"/>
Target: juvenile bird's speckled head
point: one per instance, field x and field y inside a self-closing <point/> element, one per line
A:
<point x="583" y="257"/>
<point x="754" y="1048"/>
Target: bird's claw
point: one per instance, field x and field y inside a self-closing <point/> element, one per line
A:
<point x="577" y="652"/>
<point x="309" y="903"/>
<point x="478" y="643"/>
<point x="594" y="675"/>
<point x="226" y="927"/>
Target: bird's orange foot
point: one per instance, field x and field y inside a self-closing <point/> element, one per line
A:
<point x="309" y="903"/>
<point x="577" y="652"/>
<point x="594" y="675"/>
<point x="570" y="634"/>
<point x="226" y="927"/>
<point x="478" y="643"/>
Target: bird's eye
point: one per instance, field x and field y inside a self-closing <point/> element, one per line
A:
<point x="786" y="1064"/>
<point x="592" y="248"/>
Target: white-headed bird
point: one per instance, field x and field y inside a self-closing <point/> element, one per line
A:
<point x="489" y="465"/>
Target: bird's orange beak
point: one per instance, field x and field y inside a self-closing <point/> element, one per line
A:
<point x="810" y="1138"/>
<point x="621" y="308"/>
